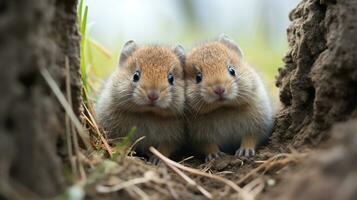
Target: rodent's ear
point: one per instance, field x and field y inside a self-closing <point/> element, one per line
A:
<point x="180" y="53"/>
<point x="128" y="48"/>
<point x="226" y="40"/>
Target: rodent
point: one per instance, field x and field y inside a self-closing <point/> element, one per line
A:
<point x="146" y="91"/>
<point x="229" y="108"/>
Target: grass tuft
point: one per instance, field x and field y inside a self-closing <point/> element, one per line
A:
<point x="82" y="28"/>
<point x="122" y="147"/>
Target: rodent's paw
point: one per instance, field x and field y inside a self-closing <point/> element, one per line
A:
<point x="246" y="152"/>
<point x="154" y="160"/>
<point x="213" y="156"/>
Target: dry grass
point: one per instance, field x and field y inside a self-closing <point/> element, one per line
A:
<point x="140" y="180"/>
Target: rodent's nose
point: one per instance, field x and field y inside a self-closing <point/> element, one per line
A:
<point x="153" y="96"/>
<point x="219" y="90"/>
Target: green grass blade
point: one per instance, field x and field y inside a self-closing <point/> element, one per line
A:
<point x="83" y="68"/>
<point x="84" y="22"/>
<point x="83" y="26"/>
<point x="80" y="11"/>
<point x="122" y="146"/>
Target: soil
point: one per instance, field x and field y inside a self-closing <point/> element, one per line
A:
<point x="318" y="82"/>
<point x="171" y="186"/>
<point x="328" y="173"/>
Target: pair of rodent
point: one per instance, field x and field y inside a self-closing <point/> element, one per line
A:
<point x="211" y="91"/>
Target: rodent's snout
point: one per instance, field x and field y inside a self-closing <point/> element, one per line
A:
<point x="152" y="96"/>
<point x="219" y="90"/>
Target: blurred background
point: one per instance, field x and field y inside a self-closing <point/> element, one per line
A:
<point x="259" y="27"/>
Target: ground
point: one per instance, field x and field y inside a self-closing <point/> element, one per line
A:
<point x="250" y="176"/>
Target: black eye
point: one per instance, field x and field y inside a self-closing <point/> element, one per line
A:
<point x="198" y="77"/>
<point x="136" y="76"/>
<point x="170" y="78"/>
<point x="231" y="70"/>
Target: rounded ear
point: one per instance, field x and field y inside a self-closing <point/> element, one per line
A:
<point x="180" y="53"/>
<point x="226" y="40"/>
<point x="128" y="48"/>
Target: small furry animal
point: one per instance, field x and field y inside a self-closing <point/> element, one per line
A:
<point x="147" y="92"/>
<point x="230" y="110"/>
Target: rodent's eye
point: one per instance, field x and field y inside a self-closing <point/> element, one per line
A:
<point x="231" y="70"/>
<point x="170" y="78"/>
<point x="198" y="77"/>
<point x="136" y="76"/>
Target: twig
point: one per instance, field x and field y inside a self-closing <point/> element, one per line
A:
<point x="225" y="172"/>
<point x="104" y="141"/>
<point x="207" y="166"/>
<point x="68" y="123"/>
<point x="256" y="170"/>
<point x="85" y="159"/>
<point x="72" y="130"/>
<point x="254" y="187"/>
<point x="266" y="163"/>
<point x="186" y="159"/>
<point x="140" y="192"/>
<point x="87" y="119"/>
<point x="200" y="173"/>
<point x="81" y="169"/>
<point x="148" y="176"/>
<point x="132" y="145"/>
<point x="169" y="183"/>
<point x="189" y="180"/>
<point x="53" y="85"/>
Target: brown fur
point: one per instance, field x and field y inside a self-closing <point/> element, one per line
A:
<point x="124" y="103"/>
<point x="245" y="114"/>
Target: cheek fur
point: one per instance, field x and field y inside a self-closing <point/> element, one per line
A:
<point x="207" y="94"/>
<point x="165" y="98"/>
<point x="178" y="97"/>
<point x="123" y="89"/>
<point x="232" y="89"/>
<point x="139" y="95"/>
<point x="193" y="93"/>
<point x="174" y="96"/>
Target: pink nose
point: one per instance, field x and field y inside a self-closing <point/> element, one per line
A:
<point x="219" y="90"/>
<point x="153" y="96"/>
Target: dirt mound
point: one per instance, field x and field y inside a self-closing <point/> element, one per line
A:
<point x="318" y="83"/>
<point x="329" y="173"/>
<point x="318" y="87"/>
